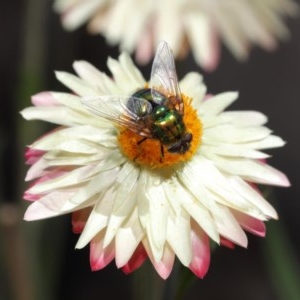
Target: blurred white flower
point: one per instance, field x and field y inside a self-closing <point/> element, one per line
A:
<point x="130" y="201"/>
<point x="197" y="24"/>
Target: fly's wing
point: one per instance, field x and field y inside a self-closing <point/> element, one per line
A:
<point x="164" y="78"/>
<point x="129" y="112"/>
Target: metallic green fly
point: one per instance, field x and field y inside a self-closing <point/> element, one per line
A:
<point x="153" y="113"/>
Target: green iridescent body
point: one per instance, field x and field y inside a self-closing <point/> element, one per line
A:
<point x="165" y="124"/>
<point x="168" y="125"/>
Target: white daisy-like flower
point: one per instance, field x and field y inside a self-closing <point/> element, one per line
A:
<point x="156" y="177"/>
<point x="199" y="24"/>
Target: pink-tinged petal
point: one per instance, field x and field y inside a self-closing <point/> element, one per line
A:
<point x="208" y="96"/>
<point x="76" y="14"/>
<point x="201" y="251"/>
<point x="226" y="243"/>
<point x="165" y="265"/>
<point x="211" y="64"/>
<point x="31" y="197"/>
<point x="38" y="169"/>
<point x="33" y="155"/>
<point x="212" y="60"/>
<point x="282" y="178"/>
<point x="48" y="206"/>
<point x="55" y="173"/>
<point x="203" y="39"/>
<point x="44" y="99"/>
<point x="228" y="226"/>
<point x="250" y="224"/>
<point x="79" y="219"/>
<point x="144" y="49"/>
<point x="100" y="257"/>
<point x="137" y="259"/>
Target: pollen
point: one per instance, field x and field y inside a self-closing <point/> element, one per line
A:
<point x="148" y="151"/>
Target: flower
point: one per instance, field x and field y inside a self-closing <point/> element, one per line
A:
<point x="129" y="200"/>
<point x="140" y="25"/>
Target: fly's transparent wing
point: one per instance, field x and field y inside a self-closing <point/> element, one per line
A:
<point x="164" y="77"/>
<point x="129" y="112"/>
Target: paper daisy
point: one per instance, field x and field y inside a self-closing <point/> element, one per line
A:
<point x="149" y="170"/>
<point x="199" y="24"/>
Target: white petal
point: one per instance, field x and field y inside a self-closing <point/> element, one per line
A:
<point x="92" y="75"/>
<point x="199" y="210"/>
<point x="234" y="151"/>
<point x="98" y="219"/>
<point x="124" y="78"/>
<point x="170" y="187"/>
<point x="245" y="118"/>
<point x="116" y="21"/>
<point x="216" y="104"/>
<point x="215" y="186"/>
<point x="88" y="138"/>
<point x="228" y="226"/>
<point x="158" y="216"/>
<point x="79" y="13"/>
<point x="47" y="206"/>
<point x="125" y="200"/>
<point x="36" y="170"/>
<point x="192" y="85"/>
<point x="269" y="142"/>
<point x="143" y="201"/>
<point x="253" y="196"/>
<point x="135" y="27"/>
<point x="74" y="177"/>
<point x="63" y="158"/>
<point x="253" y="171"/>
<point x="200" y="31"/>
<point x="231" y="134"/>
<point x="153" y="210"/>
<point x="56" y="115"/>
<point x="168" y="28"/>
<point x="69" y="100"/>
<point x="134" y="73"/>
<point x="128" y="238"/>
<point x="98" y="184"/>
<point x="179" y="236"/>
<point x="76" y="146"/>
<point x="77" y="85"/>
<point x="231" y="34"/>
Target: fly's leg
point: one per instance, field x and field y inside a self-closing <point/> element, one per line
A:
<point x="138" y="143"/>
<point x="162" y="153"/>
<point x="142" y="140"/>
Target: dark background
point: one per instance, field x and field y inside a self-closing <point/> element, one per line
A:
<point x="38" y="260"/>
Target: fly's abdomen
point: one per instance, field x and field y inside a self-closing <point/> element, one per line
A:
<point x="168" y="126"/>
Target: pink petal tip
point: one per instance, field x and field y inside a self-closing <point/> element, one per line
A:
<point x="44" y="99"/>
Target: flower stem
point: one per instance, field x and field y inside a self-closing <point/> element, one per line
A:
<point x="147" y="285"/>
<point x="282" y="262"/>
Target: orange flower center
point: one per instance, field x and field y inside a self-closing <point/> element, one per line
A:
<point x="149" y="152"/>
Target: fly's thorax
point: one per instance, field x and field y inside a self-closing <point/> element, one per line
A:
<point x="143" y="93"/>
<point x="149" y="95"/>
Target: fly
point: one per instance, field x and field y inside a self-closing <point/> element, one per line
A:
<point x="153" y="113"/>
